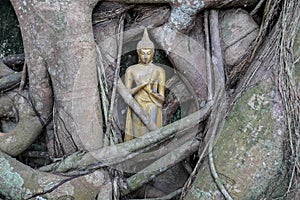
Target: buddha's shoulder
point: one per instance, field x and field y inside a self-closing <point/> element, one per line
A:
<point x="141" y="67"/>
<point x="133" y="67"/>
<point x="156" y="67"/>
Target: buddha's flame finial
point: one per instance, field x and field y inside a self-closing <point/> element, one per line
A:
<point x="145" y="42"/>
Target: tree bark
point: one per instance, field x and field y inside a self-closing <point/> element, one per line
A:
<point x="59" y="46"/>
<point x="14" y="60"/>
<point x="9" y="81"/>
<point x="115" y="154"/>
<point x="19" y="181"/>
<point x="16" y="105"/>
<point x="61" y="58"/>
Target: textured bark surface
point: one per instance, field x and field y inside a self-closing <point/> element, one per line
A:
<point x="238" y="33"/>
<point x="187" y="56"/>
<point x="10" y="80"/>
<point x="19" y="181"/>
<point x="62" y="65"/>
<point x="4" y="70"/>
<point x="122" y="152"/>
<point x="59" y="46"/>
<point x="253" y="165"/>
<point x="16" y="105"/>
<point x="13" y="60"/>
<point x="249" y="152"/>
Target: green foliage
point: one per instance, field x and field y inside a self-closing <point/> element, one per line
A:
<point x="10" y="33"/>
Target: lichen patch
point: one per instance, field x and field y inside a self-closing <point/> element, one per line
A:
<point x="97" y="178"/>
<point x="13" y="181"/>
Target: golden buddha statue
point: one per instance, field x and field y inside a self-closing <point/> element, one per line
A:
<point x="149" y="89"/>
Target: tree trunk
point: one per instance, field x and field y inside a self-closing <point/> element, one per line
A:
<point x="247" y="73"/>
<point x="19" y="181"/>
<point x="61" y="58"/>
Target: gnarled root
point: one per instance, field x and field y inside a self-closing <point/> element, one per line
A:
<point x="18" y="181"/>
<point x="115" y="154"/>
<point x="16" y="105"/>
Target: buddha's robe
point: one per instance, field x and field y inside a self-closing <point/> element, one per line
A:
<point x="149" y="97"/>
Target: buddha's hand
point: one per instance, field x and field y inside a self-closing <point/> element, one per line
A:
<point x="157" y="98"/>
<point x="142" y="85"/>
<point x="149" y="87"/>
<point x="138" y="88"/>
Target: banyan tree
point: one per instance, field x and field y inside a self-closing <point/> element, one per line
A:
<point x="229" y="125"/>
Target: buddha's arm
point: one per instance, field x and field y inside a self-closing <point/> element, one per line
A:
<point x="159" y="98"/>
<point x="129" y="83"/>
<point x="160" y="84"/>
<point x="153" y="83"/>
<point x="137" y="88"/>
<point x="128" y="79"/>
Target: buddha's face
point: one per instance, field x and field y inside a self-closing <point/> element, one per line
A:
<point x="145" y="55"/>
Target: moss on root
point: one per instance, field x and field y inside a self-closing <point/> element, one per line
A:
<point x="249" y="151"/>
<point x="13" y="180"/>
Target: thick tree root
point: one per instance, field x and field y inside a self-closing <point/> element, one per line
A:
<point x="159" y="166"/>
<point x="4" y="69"/>
<point x="142" y="160"/>
<point x="13" y="60"/>
<point x="27" y="129"/>
<point x="10" y="81"/>
<point x="118" y="153"/>
<point x="18" y="181"/>
<point x="167" y="197"/>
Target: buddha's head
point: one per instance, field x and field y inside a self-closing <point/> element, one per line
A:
<point x="145" y="49"/>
